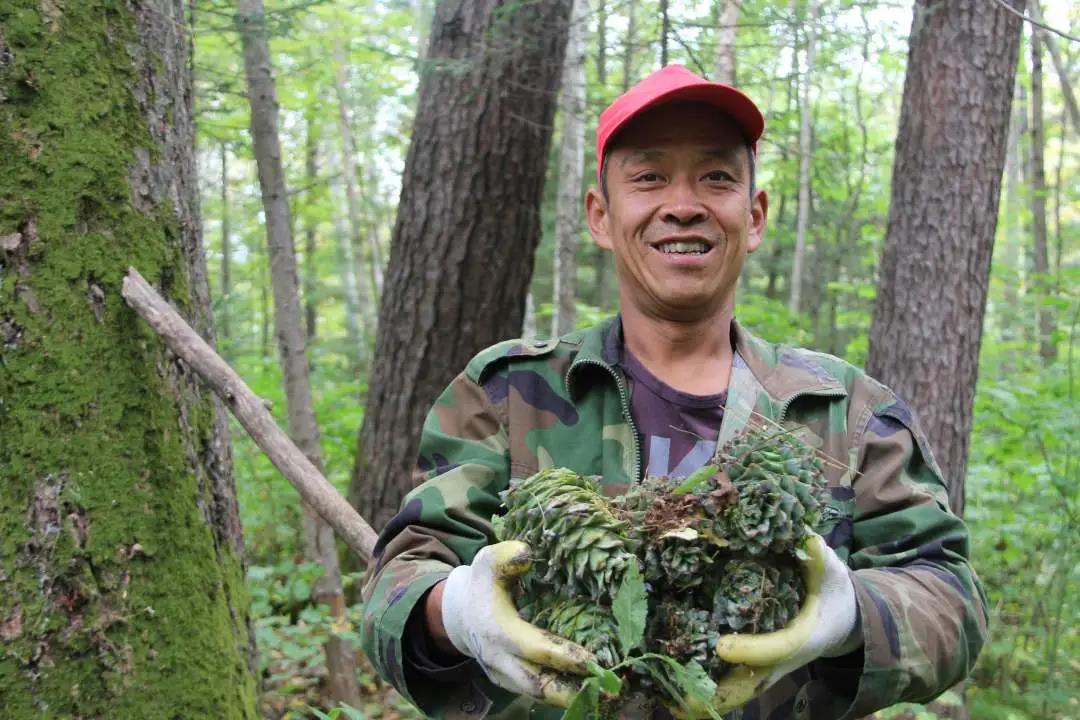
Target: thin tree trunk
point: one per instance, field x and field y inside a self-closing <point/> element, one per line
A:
<point x="1043" y="318"/>
<point x="319" y="543"/>
<point x="467" y="223"/>
<point x="571" y="169"/>
<point x="121" y="556"/>
<point x="726" y="31"/>
<point x="311" y="172"/>
<point x="927" y="324"/>
<point x="356" y="319"/>
<point x="665" y="32"/>
<point x="348" y="160"/>
<point x="629" y="46"/>
<point x="601" y="43"/>
<point x="226" y="245"/>
<point x="1009" y="318"/>
<point x="802" y="221"/>
<point x="1059" y="67"/>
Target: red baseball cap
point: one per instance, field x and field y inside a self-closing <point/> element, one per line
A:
<point x="669" y="84"/>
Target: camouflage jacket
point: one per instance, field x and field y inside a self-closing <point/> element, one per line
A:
<point x="523" y="406"/>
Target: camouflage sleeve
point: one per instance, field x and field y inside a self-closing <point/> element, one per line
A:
<point x="922" y="610"/>
<point x="443" y="522"/>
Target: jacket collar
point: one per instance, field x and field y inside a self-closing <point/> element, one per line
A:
<point x="783" y="372"/>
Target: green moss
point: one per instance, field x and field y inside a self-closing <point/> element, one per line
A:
<point x="134" y="620"/>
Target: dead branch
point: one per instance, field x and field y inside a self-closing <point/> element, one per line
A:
<point x="252" y="413"/>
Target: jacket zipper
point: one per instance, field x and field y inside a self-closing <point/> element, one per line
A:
<point x="803" y="393"/>
<point x="624" y="403"/>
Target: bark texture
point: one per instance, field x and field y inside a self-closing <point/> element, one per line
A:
<point x="806" y="150"/>
<point x="927" y="324"/>
<point x="121" y="574"/>
<point x="571" y="167"/>
<point x="467" y="225"/>
<point x="319" y="543"/>
<point x="727" y="29"/>
<point x="1043" y="317"/>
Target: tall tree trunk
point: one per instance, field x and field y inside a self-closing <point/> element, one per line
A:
<point x="726" y="31"/>
<point x="1059" y="67"/>
<point x="601" y="44"/>
<point x="571" y="169"/>
<point x="1009" y="316"/>
<point x="629" y="45"/>
<point x="226" y="245"/>
<point x="665" y="32"/>
<point x="311" y="174"/>
<point x="927" y="324"/>
<point x="319" y="542"/>
<point x="1043" y="317"/>
<point x="802" y="221"/>
<point x="121" y="557"/>
<point x="356" y="323"/>
<point x="467" y="225"/>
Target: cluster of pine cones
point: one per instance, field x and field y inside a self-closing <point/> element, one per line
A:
<point x="718" y="554"/>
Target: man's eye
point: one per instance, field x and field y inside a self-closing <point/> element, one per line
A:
<point x="648" y="177"/>
<point x="718" y="176"/>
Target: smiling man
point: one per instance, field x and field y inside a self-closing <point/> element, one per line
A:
<point x="653" y="391"/>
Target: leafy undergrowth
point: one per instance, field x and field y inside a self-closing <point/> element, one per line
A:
<point x="290" y="632"/>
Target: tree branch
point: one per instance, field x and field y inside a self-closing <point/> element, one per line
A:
<point x="252" y="413"/>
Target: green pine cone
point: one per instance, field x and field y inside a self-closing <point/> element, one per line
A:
<point x="579" y="546"/>
<point x="757" y="596"/>
<point x="584" y="623"/>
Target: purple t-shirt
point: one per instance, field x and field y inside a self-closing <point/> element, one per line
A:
<point x="677" y="430"/>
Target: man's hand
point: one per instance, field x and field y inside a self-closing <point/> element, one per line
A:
<point x="481" y="622"/>
<point x="826" y="626"/>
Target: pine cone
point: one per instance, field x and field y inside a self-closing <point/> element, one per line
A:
<point x="579" y="546"/>
<point x="583" y="623"/>
<point x="757" y="596"/>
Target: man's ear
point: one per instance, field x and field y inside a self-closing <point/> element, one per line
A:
<point x="759" y="215"/>
<point x="596" y="217"/>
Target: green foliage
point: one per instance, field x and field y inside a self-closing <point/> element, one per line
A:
<point x="1023" y="456"/>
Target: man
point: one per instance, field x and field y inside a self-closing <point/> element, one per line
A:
<point x="654" y="390"/>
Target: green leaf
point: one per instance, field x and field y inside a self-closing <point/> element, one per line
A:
<point x="585" y="705"/>
<point x="695" y="479"/>
<point x="629" y="607"/>
<point x="610" y="682"/>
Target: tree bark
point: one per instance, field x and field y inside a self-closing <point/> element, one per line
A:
<point x="726" y="31"/>
<point x="601" y="43"/>
<point x="319" y="544"/>
<point x="1059" y="67"/>
<point x="311" y="175"/>
<point x="927" y="324"/>
<point x="467" y="224"/>
<point x="665" y="32"/>
<point x="628" y="46"/>
<point x="571" y="170"/>
<point x="1043" y="318"/>
<point x="802" y="221"/>
<point x="226" y="245"/>
<point x="121" y="557"/>
<point x="348" y="243"/>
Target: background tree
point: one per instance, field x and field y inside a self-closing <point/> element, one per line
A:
<point x="571" y="170"/>
<point x="319" y="542"/>
<point x="467" y="222"/>
<point x="950" y="151"/>
<point x="121" y="565"/>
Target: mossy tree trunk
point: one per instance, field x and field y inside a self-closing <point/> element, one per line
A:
<point x="121" y="577"/>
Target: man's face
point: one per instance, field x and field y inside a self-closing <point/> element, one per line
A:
<point x="679" y="215"/>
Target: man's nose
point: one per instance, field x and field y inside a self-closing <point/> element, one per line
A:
<point x="682" y="206"/>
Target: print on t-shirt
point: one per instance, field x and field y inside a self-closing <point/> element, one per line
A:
<point x="677" y="430"/>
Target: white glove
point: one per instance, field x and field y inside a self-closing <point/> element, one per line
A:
<point x="482" y="623"/>
<point x="826" y="626"/>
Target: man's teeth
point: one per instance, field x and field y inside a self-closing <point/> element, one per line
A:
<point x="684" y="247"/>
